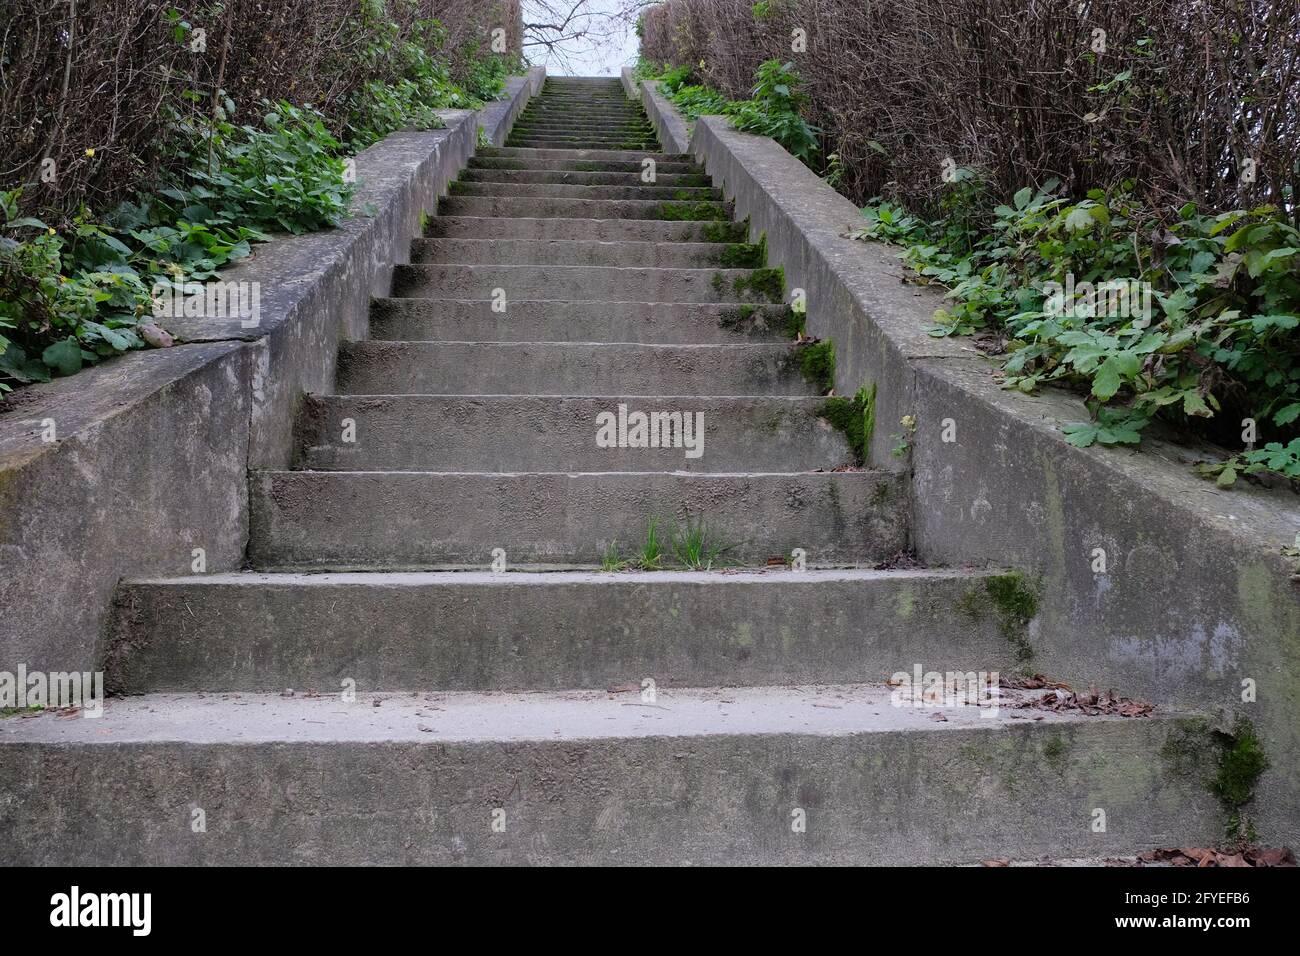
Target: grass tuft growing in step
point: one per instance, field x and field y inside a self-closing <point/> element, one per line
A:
<point x="694" y="546"/>
<point x="726" y="231"/>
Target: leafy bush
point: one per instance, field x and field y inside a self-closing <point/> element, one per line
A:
<point x="72" y="296"/>
<point x="773" y="109"/>
<point x="1183" y="320"/>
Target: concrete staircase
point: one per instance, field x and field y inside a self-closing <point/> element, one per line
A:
<point x="509" y="716"/>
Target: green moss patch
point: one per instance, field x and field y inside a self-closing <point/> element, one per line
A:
<point x="855" y="417"/>
<point x="817" y="362"/>
<point x="691" y="211"/>
<point x="762" y="284"/>
<point x="1015" y="600"/>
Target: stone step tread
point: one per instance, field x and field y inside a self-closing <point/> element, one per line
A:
<point x="576" y="165"/>
<point x="251" y="631"/>
<point x="535" y="207"/>
<point x="659" y="193"/>
<point x="544" y="716"/>
<point x="528" y="320"/>
<point x="570" y="252"/>
<point x="536" y="433"/>
<point x="591" y="154"/>
<point x="559" y="227"/>
<point x="570" y="368"/>
<point x="412" y="520"/>
<point x="574" y="282"/>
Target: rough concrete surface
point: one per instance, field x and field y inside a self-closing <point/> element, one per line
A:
<point x="698" y="776"/>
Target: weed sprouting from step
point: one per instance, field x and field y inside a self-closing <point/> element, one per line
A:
<point x="691" y="211"/>
<point x="651" y="555"/>
<point x="457" y="188"/>
<point x="693" y="545"/>
<point x="696" y="546"/>
<point x="612" y="559"/>
<point x="817" y="362"/>
<point x="855" y="417"/>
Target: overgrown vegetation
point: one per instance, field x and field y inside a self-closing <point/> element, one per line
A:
<point x="1190" y="320"/>
<point x="78" y="285"/>
<point x="773" y="108"/>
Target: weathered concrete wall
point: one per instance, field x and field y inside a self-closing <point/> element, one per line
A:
<point x="151" y="451"/>
<point x="1196" y="597"/>
<point x="668" y="123"/>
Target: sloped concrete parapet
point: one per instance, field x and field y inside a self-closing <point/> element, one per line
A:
<point x="136" y="466"/>
<point x="1197" y="603"/>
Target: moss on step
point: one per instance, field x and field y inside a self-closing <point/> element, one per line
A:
<point x="855" y="417"/>
<point x="1015" y="600"/>
<point x="1229" y="762"/>
<point x="691" y="211"/>
<point x="742" y="255"/>
<point x="726" y="231"/>
<point x="457" y="187"/>
<point x="817" y="362"/>
<point x="767" y="283"/>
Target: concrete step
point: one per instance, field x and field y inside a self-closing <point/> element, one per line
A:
<point x="575" y="178"/>
<point x="654" y="193"/>
<point x="469" y="320"/>
<point x="546" y="127"/>
<point x="559" y="120"/>
<point x="580" y="165"/>
<point x="699" y="776"/>
<point x="540" y="433"/>
<point x="603" y="230"/>
<point x="539" y="143"/>
<point x="609" y="283"/>
<point x="569" y="368"/>
<point x="566" y="113"/>
<point x="510" y="206"/>
<point x="572" y="252"/>
<point x="593" y="155"/>
<point x="545" y="631"/>
<point x="345" y="521"/>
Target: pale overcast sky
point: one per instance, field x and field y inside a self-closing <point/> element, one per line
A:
<point x="602" y="57"/>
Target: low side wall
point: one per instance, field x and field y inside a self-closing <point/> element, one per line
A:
<point x="1196" y="597"/>
<point x="673" y="133"/>
<point x="127" y="468"/>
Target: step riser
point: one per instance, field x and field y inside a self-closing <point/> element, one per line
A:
<point x="562" y="191"/>
<point x="578" y="166"/>
<point x="594" y="155"/>
<point x="404" y="520"/>
<point x="600" y="230"/>
<point x="596" y="631"/>
<point x="560" y="434"/>
<point x="693" y="255"/>
<point x="567" y="368"/>
<point x="559" y="122"/>
<point x="511" y="206"/>
<point x="574" y="283"/>
<point x="574" y="178"/>
<point x="413" y="320"/>
<point x="877" y="798"/>
<point x="560" y="145"/>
